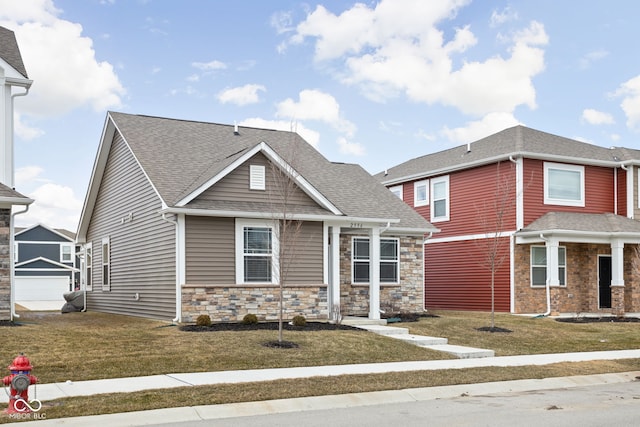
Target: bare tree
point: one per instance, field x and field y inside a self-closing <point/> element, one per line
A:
<point x="492" y="216"/>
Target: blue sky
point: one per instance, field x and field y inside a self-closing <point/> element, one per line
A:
<point x="374" y="83"/>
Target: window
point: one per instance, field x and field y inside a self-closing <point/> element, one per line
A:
<point x="397" y="190"/>
<point x="421" y="193"/>
<point x="88" y="260"/>
<point x="66" y="253"/>
<point x="539" y="265"/>
<point x="257" y="177"/>
<point x="563" y="184"/>
<point x="440" y="199"/>
<point x="106" y="270"/>
<point x="389" y="260"/>
<point x="256" y="253"/>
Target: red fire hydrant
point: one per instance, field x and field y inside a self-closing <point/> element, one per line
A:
<point x="19" y="380"/>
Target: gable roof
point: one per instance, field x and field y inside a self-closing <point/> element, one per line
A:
<point x="517" y="141"/>
<point x="181" y="158"/>
<point x="10" y="52"/>
<point x="63" y="233"/>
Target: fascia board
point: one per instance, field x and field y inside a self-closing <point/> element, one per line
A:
<point x="574" y="236"/>
<point x="16" y="201"/>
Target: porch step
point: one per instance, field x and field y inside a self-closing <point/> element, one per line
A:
<point x="420" y="340"/>
<point x="461" y="352"/>
<point x="359" y="321"/>
<point x="385" y="330"/>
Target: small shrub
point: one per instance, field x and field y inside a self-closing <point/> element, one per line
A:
<point x="203" y="320"/>
<point x="299" y="320"/>
<point x="250" y="319"/>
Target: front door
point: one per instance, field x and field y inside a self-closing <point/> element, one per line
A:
<point x="604" y="281"/>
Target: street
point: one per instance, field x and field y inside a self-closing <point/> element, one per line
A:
<point x="608" y="404"/>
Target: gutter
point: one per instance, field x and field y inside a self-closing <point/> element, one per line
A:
<point x="12" y="301"/>
<point x="178" y="285"/>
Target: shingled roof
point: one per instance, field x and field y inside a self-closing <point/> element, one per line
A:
<point x="515" y="141"/>
<point x="180" y="156"/>
<point x="9" y="195"/>
<point x="582" y="222"/>
<point x="10" y="52"/>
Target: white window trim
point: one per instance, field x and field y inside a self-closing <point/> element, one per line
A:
<point x="435" y="181"/>
<point x="417" y="184"/>
<point x="240" y="225"/>
<point x="88" y="266"/>
<point x="257" y="179"/>
<point x="15" y="252"/>
<point x="106" y="284"/>
<point x="531" y="265"/>
<point x="353" y="260"/>
<point x="563" y="202"/>
<point x="70" y="253"/>
<point x="397" y="190"/>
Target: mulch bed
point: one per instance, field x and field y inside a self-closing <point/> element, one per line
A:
<point x="269" y="326"/>
<point x="8" y="323"/>
<point x="493" y="329"/>
<point x="593" y="319"/>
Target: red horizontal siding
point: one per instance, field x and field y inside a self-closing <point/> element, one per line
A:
<point x="622" y="192"/>
<point x="599" y="191"/>
<point x="456" y="277"/>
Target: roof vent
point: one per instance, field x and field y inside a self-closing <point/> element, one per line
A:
<point x="235" y="129"/>
<point x="468" y="147"/>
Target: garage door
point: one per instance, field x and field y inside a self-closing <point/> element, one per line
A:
<point x="41" y="288"/>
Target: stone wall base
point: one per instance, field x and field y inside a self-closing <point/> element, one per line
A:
<point x="5" y="264"/>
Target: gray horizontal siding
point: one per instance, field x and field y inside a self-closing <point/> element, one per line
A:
<point x="40" y="234"/>
<point x="235" y="186"/>
<point x="142" y="250"/>
<point x="210" y="256"/>
<point x="304" y="262"/>
<point x="27" y="251"/>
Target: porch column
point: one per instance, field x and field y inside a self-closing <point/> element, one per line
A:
<point x="552" y="262"/>
<point x="374" y="273"/>
<point x="617" y="263"/>
<point x="334" y="305"/>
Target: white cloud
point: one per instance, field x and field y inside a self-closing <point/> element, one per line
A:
<point x="309" y="135"/>
<point x="23" y="130"/>
<point x="473" y="131"/>
<point x="60" y="60"/>
<point x="55" y="206"/>
<point x="595" y="117"/>
<point x="499" y="18"/>
<point x="352" y="148"/>
<point x="388" y="52"/>
<point x="591" y="57"/>
<point x="242" y="95"/>
<point x="316" y="105"/>
<point x="209" y="66"/>
<point x="630" y="92"/>
<point x="27" y="174"/>
<point x="282" y="22"/>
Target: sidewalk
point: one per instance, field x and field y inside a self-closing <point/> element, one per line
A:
<point x="52" y="391"/>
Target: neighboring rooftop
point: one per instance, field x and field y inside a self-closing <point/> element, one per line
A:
<point x="10" y="52"/>
<point x="517" y="140"/>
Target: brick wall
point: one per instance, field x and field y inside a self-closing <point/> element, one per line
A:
<point x="406" y="296"/>
<point x="580" y="295"/>
<point x="5" y="266"/>
<point x="232" y="303"/>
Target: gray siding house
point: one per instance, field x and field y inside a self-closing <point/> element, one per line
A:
<point x="183" y="218"/>
<point x="45" y="264"/>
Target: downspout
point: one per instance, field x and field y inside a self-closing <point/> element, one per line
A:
<point x="626" y="169"/>
<point x="615" y="191"/>
<point x="424" y="279"/>
<point x="546" y="313"/>
<point x="178" y="285"/>
<point x="12" y="273"/>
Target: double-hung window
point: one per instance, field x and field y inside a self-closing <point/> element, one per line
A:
<point x="256" y="253"/>
<point x="421" y="193"/>
<point x="66" y="253"/>
<point x="389" y="260"/>
<point x="440" y="199"/>
<point x="397" y="190"/>
<point x="563" y="184"/>
<point x="539" y="265"/>
<point x="106" y="264"/>
<point x="88" y="262"/>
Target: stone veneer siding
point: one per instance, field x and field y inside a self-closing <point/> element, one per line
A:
<point x="230" y="303"/>
<point x="5" y="264"/>
<point x="580" y="295"/>
<point x="407" y="296"/>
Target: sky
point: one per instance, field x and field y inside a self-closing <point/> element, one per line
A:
<point x="374" y="82"/>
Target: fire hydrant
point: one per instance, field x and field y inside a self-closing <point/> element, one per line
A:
<point x="19" y="380"/>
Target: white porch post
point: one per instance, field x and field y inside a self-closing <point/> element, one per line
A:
<point x="552" y="262"/>
<point x="374" y="273"/>
<point x="617" y="263"/>
<point x="335" y="273"/>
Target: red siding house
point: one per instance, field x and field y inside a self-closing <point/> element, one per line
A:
<point x="556" y="218"/>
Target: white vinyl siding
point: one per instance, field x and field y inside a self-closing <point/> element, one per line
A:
<point x="563" y="184"/>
